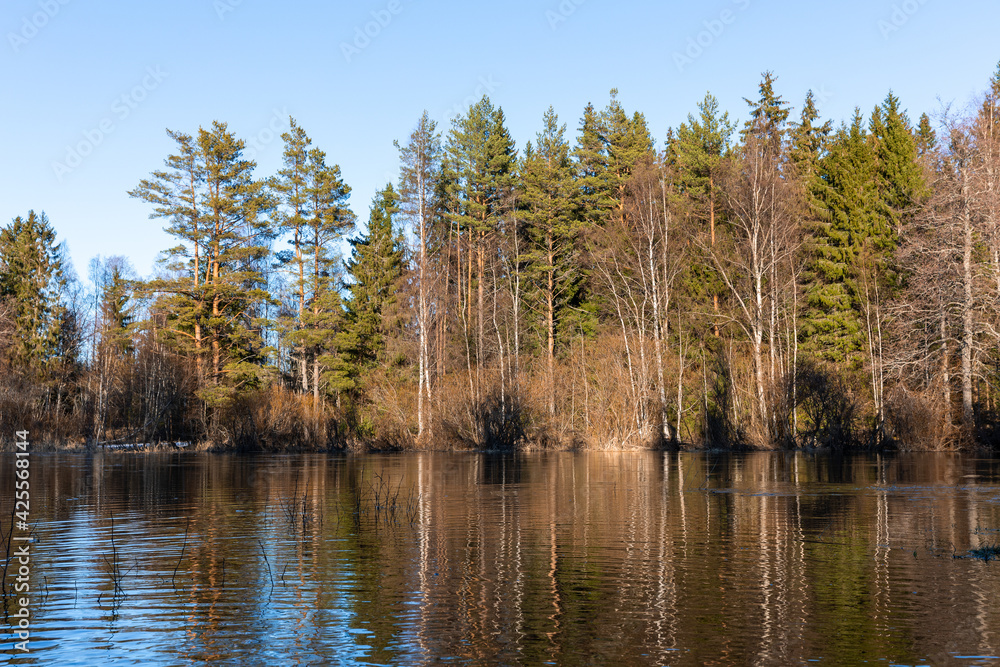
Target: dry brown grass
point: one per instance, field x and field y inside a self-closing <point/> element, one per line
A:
<point x="275" y="419"/>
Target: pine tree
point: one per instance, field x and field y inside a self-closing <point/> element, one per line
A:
<point x="626" y="142"/>
<point x="291" y="186"/>
<point x="552" y="225"/>
<point x="177" y="194"/>
<point x="699" y="147"/>
<point x="218" y="212"/>
<point x="314" y="214"/>
<point x="323" y="335"/>
<point x="481" y="161"/>
<point x="32" y="281"/>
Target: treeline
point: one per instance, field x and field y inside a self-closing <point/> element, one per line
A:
<point x="775" y="283"/>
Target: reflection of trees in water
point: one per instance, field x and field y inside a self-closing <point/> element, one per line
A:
<point x="757" y="558"/>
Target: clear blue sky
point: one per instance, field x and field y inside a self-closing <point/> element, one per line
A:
<point x="111" y="76"/>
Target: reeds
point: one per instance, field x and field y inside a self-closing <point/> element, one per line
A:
<point x="6" y="542"/>
<point x="115" y="570"/>
<point x="181" y="557"/>
<point x="381" y="502"/>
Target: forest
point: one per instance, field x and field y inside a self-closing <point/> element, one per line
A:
<point x="777" y="283"/>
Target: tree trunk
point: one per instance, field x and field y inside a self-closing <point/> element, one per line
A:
<point x="422" y="311"/>
<point x="945" y="378"/>
<point x="658" y="319"/>
<point x="758" y="352"/>
<point x="967" y="306"/>
<point x="302" y="308"/>
<point x="711" y="225"/>
<point x="550" y="325"/>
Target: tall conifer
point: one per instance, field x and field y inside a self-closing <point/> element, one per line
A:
<point x="552" y="224"/>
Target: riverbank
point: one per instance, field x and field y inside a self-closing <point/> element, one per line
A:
<point x="375" y="447"/>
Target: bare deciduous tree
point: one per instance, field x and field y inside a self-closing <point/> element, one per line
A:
<point x="762" y="201"/>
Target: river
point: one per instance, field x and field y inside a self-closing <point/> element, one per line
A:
<point x="568" y="558"/>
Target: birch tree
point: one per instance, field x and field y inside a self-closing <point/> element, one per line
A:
<point x="419" y="180"/>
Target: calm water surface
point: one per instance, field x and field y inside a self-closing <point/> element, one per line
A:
<point x="569" y="559"/>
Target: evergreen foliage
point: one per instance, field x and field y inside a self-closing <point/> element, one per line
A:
<point x="218" y="212"/>
<point x="375" y="270"/>
<point x="32" y="280"/>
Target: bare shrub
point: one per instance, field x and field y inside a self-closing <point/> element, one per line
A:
<point x="829" y="409"/>
<point x="497" y="421"/>
<point x="916" y="420"/>
<point x="18" y="402"/>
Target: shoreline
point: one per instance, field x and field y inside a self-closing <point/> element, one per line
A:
<point x="363" y="449"/>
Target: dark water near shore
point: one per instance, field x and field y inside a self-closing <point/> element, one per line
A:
<point x="569" y="559"/>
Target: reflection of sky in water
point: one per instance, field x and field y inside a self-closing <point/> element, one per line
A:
<point x="640" y="558"/>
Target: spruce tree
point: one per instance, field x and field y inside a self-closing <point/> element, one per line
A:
<point x="768" y="114"/>
<point x="116" y="310"/>
<point x="697" y="152"/>
<point x="113" y="328"/>
<point x="591" y="166"/>
<point x="626" y="142"/>
<point x="900" y="177"/>
<point x="374" y="269"/>
<point x="926" y="137"/>
<point x="808" y="146"/>
<point x="832" y="328"/>
<point x="610" y="145"/>
<point x="32" y="281"/>
<point x="551" y="227"/>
